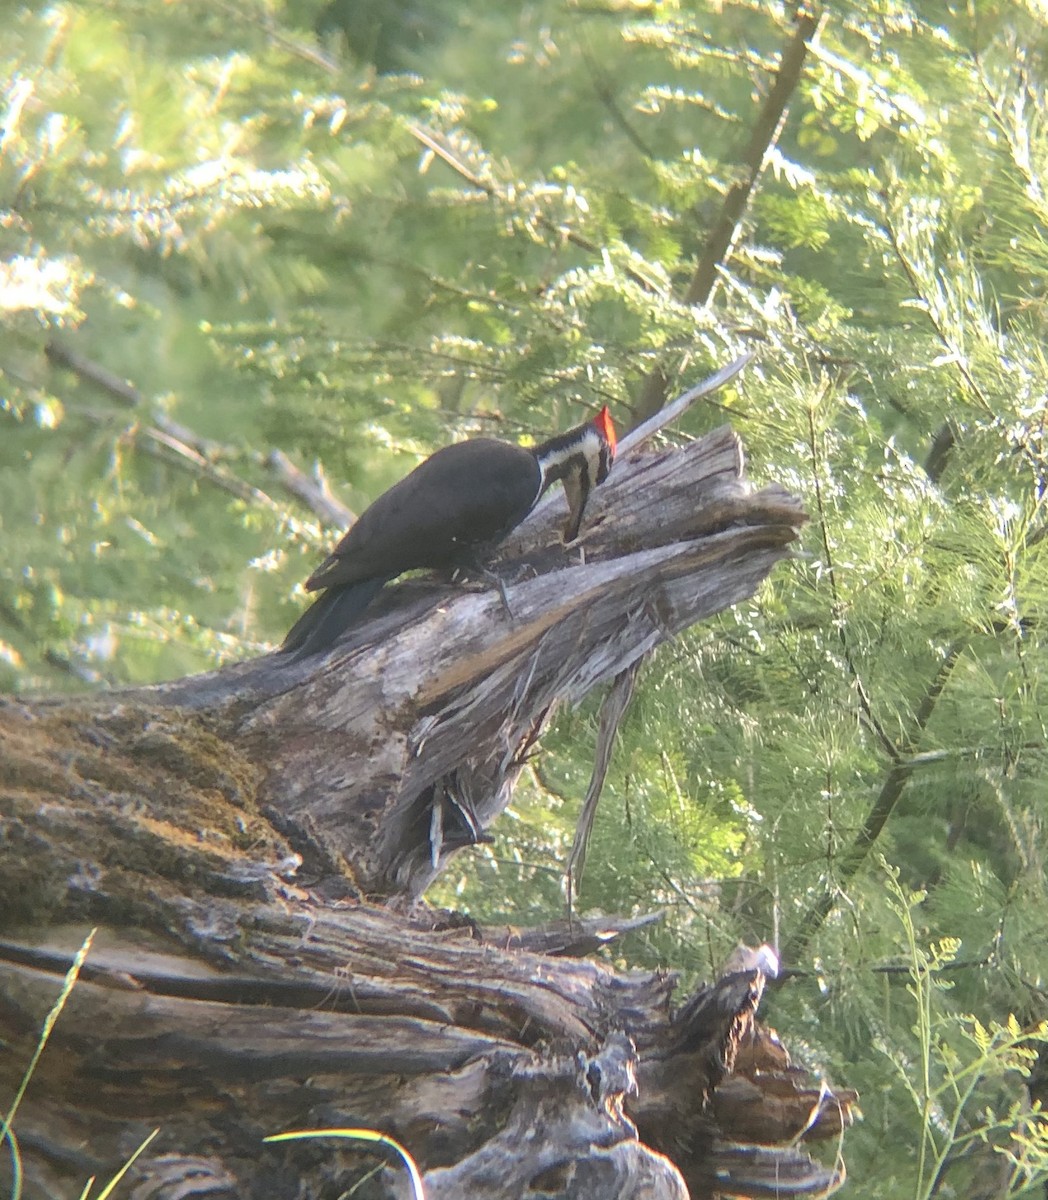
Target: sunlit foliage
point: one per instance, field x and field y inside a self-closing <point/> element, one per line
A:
<point x="351" y="233"/>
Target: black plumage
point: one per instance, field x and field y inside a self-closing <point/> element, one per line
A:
<point x="462" y="498"/>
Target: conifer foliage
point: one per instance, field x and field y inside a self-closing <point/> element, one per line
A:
<point x="240" y="235"/>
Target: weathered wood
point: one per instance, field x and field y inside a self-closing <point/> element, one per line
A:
<point x="231" y="833"/>
<point x="500" y="1069"/>
<point x="438" y="696"/>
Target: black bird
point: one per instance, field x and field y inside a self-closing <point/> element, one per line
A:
<point x="460" y="500"/>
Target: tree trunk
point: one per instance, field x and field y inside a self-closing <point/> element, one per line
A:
<point x="253" y="843"/>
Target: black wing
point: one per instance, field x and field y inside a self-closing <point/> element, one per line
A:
<point x="461" y="497"/>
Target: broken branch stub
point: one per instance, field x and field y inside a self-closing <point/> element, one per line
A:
<point x="227" y="998"/>
<point x="415" y="727"/>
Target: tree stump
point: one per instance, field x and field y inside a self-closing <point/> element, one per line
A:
<point x="252" y="844"/>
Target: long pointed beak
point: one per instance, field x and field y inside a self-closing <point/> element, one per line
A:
<point x="577" y="489"/>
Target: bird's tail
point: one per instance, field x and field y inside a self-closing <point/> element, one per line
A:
<point x="328" y="616"/>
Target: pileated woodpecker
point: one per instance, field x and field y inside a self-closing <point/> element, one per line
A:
<point x="461" y="499"/>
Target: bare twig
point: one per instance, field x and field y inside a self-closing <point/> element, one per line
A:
<point x="891" y="790"/>
<point x="902" y="753"/>
<point x="670" y="413"/>
<point x="176" y="443"/>
<point x="239" y="14"/>
<point x="611" y="713"/>
<point x="445" y="155"/>
<point x="683" y="402"/>
<point x="437" y="147"/>
<point x="181" y="454"/>
<point x="94" y="373"/>
<point x="314" y="492"/>
<point x="126" y="392"/>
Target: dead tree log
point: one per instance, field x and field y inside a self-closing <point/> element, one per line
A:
<point x="233" y="834"/>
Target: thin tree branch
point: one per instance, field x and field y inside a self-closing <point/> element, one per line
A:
<point x="313" y="492"/>
<point x="764" y="135"/>
<point x="240" y="14"/>
<point x="93" y="372"/>
<point x="126" y="392"/>
<point x="894" y="970"/>
<point x="453" y="161"/>
<point x="902" y="755"/>
<point x="181" y="446"/>
<point x="891" y="790"/>
<point x="181" y="454"/>
<point x="569" y="234"/>
<point x="917" y="284"/>
<point x="606" y="96"/>
<point x="611" y="713"/>
<point x="871" y="719"/>
<point x="671" y="412"/>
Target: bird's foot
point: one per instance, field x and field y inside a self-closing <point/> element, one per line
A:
<point x="496" y="578"/>
<point x="491" y="577"/>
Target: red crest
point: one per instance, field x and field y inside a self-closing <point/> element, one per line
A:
<point x="602" y="422"/>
